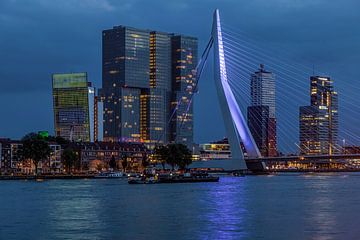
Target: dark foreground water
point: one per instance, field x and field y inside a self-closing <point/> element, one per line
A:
<point x="303" y="206"/>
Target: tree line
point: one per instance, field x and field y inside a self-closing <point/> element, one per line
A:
<point x="174" y="155"/>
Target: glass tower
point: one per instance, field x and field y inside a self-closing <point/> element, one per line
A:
<point x="155" y="119"/>
<point x="125" y="72"/>
<point x="184" y="62"/>
<point x="139" y="84"/>
<point x="319" y="122"/>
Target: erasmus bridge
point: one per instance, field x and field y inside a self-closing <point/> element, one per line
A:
<point x="234" y="61"/>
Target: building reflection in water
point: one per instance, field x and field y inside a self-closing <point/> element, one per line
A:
<point x="73" y="211"/>
<point x="321" y="213"/>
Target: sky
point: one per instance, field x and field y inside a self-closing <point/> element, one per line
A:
<point x="41" y="37"/>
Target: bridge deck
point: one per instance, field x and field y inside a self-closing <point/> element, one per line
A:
<point x="305" y="158"/>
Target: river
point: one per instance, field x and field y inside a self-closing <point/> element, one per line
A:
<point x="285" y="206"/>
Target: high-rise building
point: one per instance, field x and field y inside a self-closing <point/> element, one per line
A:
<point x="261" y="113"/>
<point x="156" y="100"/>
<point x="138" y="84"/>
<point x="76" y="108"/>
<point x="184" y="61"/>
<point x="125" y="72"/>
<point x="319" y="122"/>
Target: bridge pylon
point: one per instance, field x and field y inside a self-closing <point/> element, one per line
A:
<point x="235" y="124"/>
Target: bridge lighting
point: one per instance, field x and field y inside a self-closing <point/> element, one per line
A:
<point x="235" y="124"/>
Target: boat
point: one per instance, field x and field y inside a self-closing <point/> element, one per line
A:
<point x="110" y="175"/>
<point x="173" y="178"/>
<point x="143" y="180"/>
<point x="238" y="174"/>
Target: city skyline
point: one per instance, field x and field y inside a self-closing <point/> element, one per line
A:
<point x="179" y="119"/>
<point x="202" y="100"/>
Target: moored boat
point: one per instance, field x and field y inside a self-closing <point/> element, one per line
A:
<point x="173" y="178"/>
<point x="110" y="175"/>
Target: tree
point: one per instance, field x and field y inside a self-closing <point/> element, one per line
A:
<point x="174" y="155"/>
<point x="161" y="154"/>
<point x="35" y="148"/>
<point x="184" y="156"/>
<point x="124" y="162"/>
<point x="112" y="163"/>
<point x="58" y="139"/>
<point x="144" y="161"/>
<point x="69" y="159"/>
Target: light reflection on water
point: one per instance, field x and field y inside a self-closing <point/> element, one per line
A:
<point x="297" y="206"/>
<point x="225" y="221"/>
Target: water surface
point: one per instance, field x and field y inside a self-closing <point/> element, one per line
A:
<point x="293" y="206"/>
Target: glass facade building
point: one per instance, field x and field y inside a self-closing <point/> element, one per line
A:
<point x="75" y="107"/>
<point x="125" y="72"/>
<point x="184" y="62"/>
<point x="156" y="115"/>
<point x="138" y="85"/>
<point x="319" y="122"/>
<point x="261" y="113"/>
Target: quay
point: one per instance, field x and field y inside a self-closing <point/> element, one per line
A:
<point x="46" y="177"/>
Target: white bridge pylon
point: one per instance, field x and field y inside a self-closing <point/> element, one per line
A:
<point x="235" y="124"/>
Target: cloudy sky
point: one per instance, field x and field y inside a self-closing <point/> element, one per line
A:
<point x="40" y="37"/>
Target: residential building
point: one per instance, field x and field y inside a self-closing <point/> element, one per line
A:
<point x="95" y="156"/>
<point x="9" y="155"/>
<point x="319" y="122"/>
<point x="261" y="113"/>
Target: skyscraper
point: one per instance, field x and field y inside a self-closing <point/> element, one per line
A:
<point x="138" y="84"/>
<point x="156" y="99"/>
<point x="184" y="61"/>
<point x="76" y="109"/>
<point x="261" y="113"/>
<point x="319" y="122"/>
<point x="125" y="72"/>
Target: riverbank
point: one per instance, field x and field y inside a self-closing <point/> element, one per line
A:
<point x="313" y="170"/>
<point x="45" y="177"/>
<point x="91" y="176"/>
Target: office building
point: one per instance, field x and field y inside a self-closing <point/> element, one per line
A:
<point x="261" y="113"/>
<point x="184" y="61"/>
<point x="319" y="122"/>
<point x="155" y="101"/>
<point x="140" y="85"/>
<point x="76" y="108"/>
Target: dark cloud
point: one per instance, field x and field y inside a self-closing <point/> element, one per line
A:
<point x="40" y="37"/>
